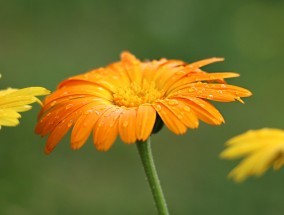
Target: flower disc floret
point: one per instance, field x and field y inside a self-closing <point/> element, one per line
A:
<point x="136" y="94"/>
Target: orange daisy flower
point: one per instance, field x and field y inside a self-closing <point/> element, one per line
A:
<point x="129" y="97"/>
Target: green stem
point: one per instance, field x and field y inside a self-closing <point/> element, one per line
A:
<point x="146" y="156"/>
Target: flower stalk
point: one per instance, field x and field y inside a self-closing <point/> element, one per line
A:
<point x="145" y="152"/>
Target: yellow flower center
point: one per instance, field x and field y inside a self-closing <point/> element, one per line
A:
<point x="136" y="94"/>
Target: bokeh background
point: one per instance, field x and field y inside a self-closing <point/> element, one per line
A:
<point x="44" y="42"/>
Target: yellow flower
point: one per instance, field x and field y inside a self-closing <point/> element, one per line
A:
<point x="130" y="97"/>
<point x="261" y="148"/>
<point x="13" y="101"/>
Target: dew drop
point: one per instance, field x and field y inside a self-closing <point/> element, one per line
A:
<point x="125" y="124"/>
<point x="220" y="91"/>
<point x="173" y="102"/>
<point x="88" y="112"/>
<point x="223" y="85"/>
<point x="53" y="103"/>
<point x="210" y="96"/>
<point x="111" y="124"/>
<point x="179" y="73"/>
<point x="158" y="107"/>
<point x="69" y="106"/>
<point x="186" y="108"/>
<point x="190" y="90"/>
<point x="47" y="115"/>
<point x="70" y="123"/>
<point x="180" y="116"/>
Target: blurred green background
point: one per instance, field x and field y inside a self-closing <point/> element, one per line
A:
<point x="44" y="42"/>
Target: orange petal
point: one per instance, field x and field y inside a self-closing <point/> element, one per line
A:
<point x="187" y="80"/>
<point x="146" y="116"/>
<point x="50" y="119"/>
<point x="106" y="128"/>
<point x="204" y="62"/>
<point x="216" y="92"/>
<point x="78" y="91"/>
<point x="109" y="78"/>
<point x="132" y="67"/>
<point x="169" y="118"/>
<point x="149" y="67"/>
<point x="204" y="110"/>
<point x="168" y="70"/>
<point x="126" y="126"/>
<point x="182" y="112"/>
<point x="55" y="115"/>
<point x="59" y="131"/>
<point x="85" y="124"/>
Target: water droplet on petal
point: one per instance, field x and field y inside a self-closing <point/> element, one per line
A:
<point x="210" y="96"/>
<point x="111" y="124"/>
<point x="223" y="85"/>
<point x="186" y="108"/>
<point x="125" y="124"/>
<point x="179" y="72"/>
<point x="173" y="102"/>
<point x="190" y="90"/>
<point x="86" y="112"/>
<point x="53" y="103"/>
<point x="69" y="106"/>
<point x="70" y="123"/>
<point x="158" y="107"/>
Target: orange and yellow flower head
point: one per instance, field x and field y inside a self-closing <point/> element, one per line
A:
<point x="128" y="98"/>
